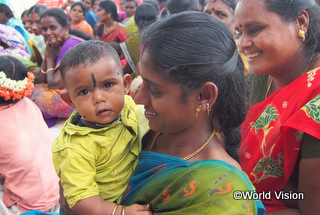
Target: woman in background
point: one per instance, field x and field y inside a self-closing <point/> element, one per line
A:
<point x="55" y="29"/>
<point x="77" y="15"/>
<point x="36" y="42"/>
<point x="110" y="29"/>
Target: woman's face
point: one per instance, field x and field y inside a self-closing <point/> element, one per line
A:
<point x="53" y="31"/>
<point x="122" y="7"/>
<point x="102" y="14"/>
<point x="162" y="101"/>
<point x="87" y="4"/>
<point x="26" y="23"/>
<point x="95" y="6"/>
<point x="221" y="11"/>
<point x="130" y="8"/>
<point x="271" y="44"/>
<point x="77" y="14"/>
<point x="34" y="22"/>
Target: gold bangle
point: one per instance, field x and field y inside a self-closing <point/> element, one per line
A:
<point x="123" y="207"/>
<point x="114" y="209"/>
<point x="46" y="72"/>
<point x="51" y="69"/>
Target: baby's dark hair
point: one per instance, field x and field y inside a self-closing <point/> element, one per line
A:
<point x="13" y="69"/>
<point x="87" y="53"/>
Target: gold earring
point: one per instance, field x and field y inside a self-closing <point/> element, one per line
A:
<point x="301" y="33"/>
<point x="198" y="110"/>
<point x="208" y="108"/>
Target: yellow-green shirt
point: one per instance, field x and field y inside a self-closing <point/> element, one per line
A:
<point x="101" y="161"/>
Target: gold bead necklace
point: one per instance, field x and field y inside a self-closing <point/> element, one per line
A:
<point x="214" y="133"/>
<point x="270" y="81"/>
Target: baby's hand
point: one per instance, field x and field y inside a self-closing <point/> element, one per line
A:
<point x="137" y="210"/>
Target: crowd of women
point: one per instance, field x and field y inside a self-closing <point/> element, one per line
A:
<point x="230" y="93"/>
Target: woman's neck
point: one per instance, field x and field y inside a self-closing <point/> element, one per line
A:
<point x="109" y="23"/>
<point x="75" y="22"/>
<point x="294" y="72"/>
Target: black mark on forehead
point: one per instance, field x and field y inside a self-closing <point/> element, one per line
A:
<point x="93" y="80"/>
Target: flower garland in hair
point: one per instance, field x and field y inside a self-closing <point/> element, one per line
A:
<point x="12" y="89"/>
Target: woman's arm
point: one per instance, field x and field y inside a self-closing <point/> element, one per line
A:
<point x="48" y="74"/>
<point x="309" y="175"/>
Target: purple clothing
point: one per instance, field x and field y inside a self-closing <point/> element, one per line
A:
<point x="49" y="100"/>
<point x="122" y="15"/>
<point x="13" y="42"/>
<point x="68" y="44"/>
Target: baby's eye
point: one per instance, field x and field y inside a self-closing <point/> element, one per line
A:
<point x="84" y="92"/>
<point x="108" y="85"/>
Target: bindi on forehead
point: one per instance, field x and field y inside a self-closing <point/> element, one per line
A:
<point x="93" y="80"/>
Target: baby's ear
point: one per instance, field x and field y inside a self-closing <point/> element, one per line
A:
<point x="66" y="98"/>
<point x="127" y="83"/>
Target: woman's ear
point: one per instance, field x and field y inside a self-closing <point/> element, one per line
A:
<point x="303" y="21"/>
<point x="208" y="95"/>
<point x="66" y="98"/>
<point x="127" y="83"/>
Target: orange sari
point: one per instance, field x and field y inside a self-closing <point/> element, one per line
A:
<point x="83" y="26"/>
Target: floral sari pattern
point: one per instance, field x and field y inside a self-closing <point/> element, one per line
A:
<point x="272" y="134"/>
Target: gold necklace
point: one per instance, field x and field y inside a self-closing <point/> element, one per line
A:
<point x="270" y="81"/>
<point x="214" y="133"/>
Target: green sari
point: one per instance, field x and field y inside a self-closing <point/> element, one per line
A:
<point x="174" y="186"/>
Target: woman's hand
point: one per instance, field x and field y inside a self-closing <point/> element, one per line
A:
<point x="137" y="210"/>
<point x="53" y="49"/>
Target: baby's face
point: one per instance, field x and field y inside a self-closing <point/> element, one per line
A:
<point x="97" y="90"/>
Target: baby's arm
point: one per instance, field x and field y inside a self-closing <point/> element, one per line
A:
<point x="95" y="205"/>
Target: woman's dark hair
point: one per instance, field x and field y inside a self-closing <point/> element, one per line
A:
<point x="79" y="3"/>
<point x="110" y="7"/>
<point x="191" y="48"/>
<point x="230" y="3"/>
<point x="134" y="1"/>
<point x="59" y="15"/>
<point x="14" y="69"/>
<point x="25" y="12"/>
<point x="145" y="15"/>
<point x="38" y="9"/>
<point x="177" y="6"/>
<point x="154" y="3"/>
<point x="289" y="11"/>
<point x="6" y="10"/>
